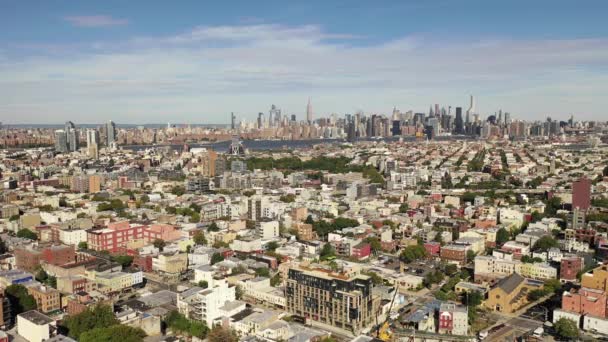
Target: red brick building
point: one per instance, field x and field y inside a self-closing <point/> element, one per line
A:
<point x="585" y="301"/>
<point x="570" y="266"/>
<point x="454" y="253"/>
<point x="581" y="194"/>
<point x="114" y="237"/>
<point x="29" y="259"/>
<point x="433" y="248"/>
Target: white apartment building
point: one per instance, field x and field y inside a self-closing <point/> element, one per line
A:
<point x="205" y="305"/>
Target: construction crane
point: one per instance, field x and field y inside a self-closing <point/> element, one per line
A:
<point x="384" y="332"/>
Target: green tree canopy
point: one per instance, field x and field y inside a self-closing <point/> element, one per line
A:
<point x="502" y="236"/>
<point x="222" y="334"/>
<point x="20" y="299"/>
<point x="566" y="328"/>
<point x="327" y="251"/>
<point x="545" y="243"/>
<point x="160" y="244"/>
<point x="27" y="234"/>
<point x="114" y="333"/>
<point x="411" y="253"/>
<point x="99" y="316"/>
<point x="199" y="238"/>
<point x="216" y="257"/>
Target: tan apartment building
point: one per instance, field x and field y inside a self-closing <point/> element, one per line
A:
<point x="336" y="299"/>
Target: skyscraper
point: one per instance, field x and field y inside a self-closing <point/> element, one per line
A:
<point x="232" y="121"/>
<point x="111" y="133"/>
<point x="309" y="112"/>
<point x="71" y="137"/>
<point x="471" y="110"/>
<point x="93" y="143"/>
<point x="459" y="126"/>
<point x="61" y="143"/>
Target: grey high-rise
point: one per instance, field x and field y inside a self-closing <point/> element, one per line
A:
<point x="111" y="133"/>
<point x="70" y="136"/>
<point x="61" y="143"/>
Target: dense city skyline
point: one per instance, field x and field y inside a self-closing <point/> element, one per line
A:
<point x="95" y="62"/>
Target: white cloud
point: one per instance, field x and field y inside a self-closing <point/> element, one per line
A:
<point x="95" y="21"/>
<point x="200" y="75"/>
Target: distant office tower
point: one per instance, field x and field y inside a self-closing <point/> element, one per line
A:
<point x="581" y="194"/>
<point x="471" y="110"/>
<point x="93" y="143"/>
<point x="293" y="117"/>
<point x="458" y="123"/>
<point x="260" y="120"/>
<point x="111" y="133"/>
<point x="309" y="112"/>
<point x="274" y="116"/>
<point x="431" y="112"/>
<point x="437" y="111"/>
<point x="61" y="142"/>
<point x="71" y="136"/>
<point x="507" y="118"/>
<point x="232" y="121"/>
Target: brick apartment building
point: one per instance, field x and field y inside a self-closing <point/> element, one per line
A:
<point x="29" y="259"/>
<point x="454" y="253"/>
<point x="570" y="266"/>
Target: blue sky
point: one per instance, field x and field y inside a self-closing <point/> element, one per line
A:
<point x="196" y="61"/>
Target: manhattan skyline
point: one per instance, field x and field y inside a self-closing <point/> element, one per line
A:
<point x="144" y="63"/>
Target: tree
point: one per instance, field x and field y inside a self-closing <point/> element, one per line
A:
<point x="451" y="269"/>
<point x="203" y="283"/>
<point x="178" y="190"/>
<point x="99" y="316"/>
<point x="213" y="227"/>
<point x="83" y="245"/>
<point x="327" y="251"/>
<point x="545" y="243"/>
<point x="262" y="272"/>
<point x="238" y="292"/>
<point x="289" y="198"/>
<point x="272" y="246"/>
<point x="411" y="253"/>
<point x="502" y="236"/>
<point x="220" y="333"/>
<point x="199" y="238"/>
<point x="473" y="299"/>
<point x="374" y="244"/>
<point x="566" y="328"/>
<point x="115" y="333"/>
<point x="276" y="280"/>
<point x="309" y="220"/>
<point x="471" y="255"/>
<point x="27" y="234"/>
<point x="123" y="260"/>
<point x="160" y="244"/>
<point x="20" y="299"/>
<point x="178" y="323"/>
<point x="3" y="248"/>
<point x="216" y="257"/>
<point x="376" y="279"/>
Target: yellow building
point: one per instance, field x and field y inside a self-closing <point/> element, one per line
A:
<point x="511" y="293"/>
<point x="170" y="263"/>
<point x="94" y="183"/>
<point x="47" y="298"/>
<point x="112" y="282"/>
<point x="596" y="278"/>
